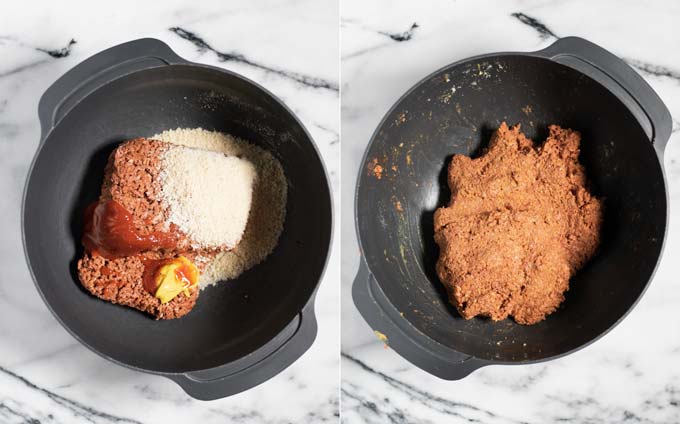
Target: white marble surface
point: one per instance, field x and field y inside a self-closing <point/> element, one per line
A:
<point x="633" y="373"/>
<point x="291" y="48"/>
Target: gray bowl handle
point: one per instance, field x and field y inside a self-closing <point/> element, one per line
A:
<point x="626" y="84"/>
<point x="256" y="368"/>
<point x="98" y="70"/>
<point x="402" y="337"/>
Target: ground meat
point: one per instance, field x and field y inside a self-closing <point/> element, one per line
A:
<point x="120" y="281"/>
<point x="131" y="179"/>
<point x="520" y="223"/>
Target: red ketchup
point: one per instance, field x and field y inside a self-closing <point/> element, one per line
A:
<point x="110" y="232"/>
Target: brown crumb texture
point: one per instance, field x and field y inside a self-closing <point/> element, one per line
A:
<point x="375" y="169"/>
<point x="520" y="223"/>
<point x="268" y="207"/>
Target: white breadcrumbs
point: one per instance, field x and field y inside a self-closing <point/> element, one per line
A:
<point x="268" y="206"/>
<point x="208" y="194"/>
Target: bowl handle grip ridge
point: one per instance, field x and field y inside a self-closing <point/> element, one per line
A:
<point x="259" y="366"/>
<point x="398" y="334"/>
<point x="86" y="77"/>
<point x="621" y="79"/>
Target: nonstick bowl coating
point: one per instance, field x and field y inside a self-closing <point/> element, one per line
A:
<point x="229" y="320"/>
<point x="455" y="111"/>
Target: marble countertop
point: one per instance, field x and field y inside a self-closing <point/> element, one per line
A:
<point x="291" y="48"/>
<point x="632" y="374"/>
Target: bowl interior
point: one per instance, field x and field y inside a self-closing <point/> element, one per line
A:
<point x="455" y="111"/>
<point x="230" y="320"/>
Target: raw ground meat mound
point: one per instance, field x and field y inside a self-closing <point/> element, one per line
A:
<point x="120" y="281"/>
<point x="131" y="179"/>
<point x="520" y="223"/>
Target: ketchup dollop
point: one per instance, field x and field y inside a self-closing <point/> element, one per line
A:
<point x="110" y="232"/>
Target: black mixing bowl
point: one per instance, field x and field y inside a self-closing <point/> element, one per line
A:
<point x="573" y="83"/>
<point x="240" y="333"/>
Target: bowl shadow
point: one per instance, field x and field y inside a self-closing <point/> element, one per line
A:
<point x="88" y="192"/>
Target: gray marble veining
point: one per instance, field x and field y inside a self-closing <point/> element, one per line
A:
<point x="629" y="375"/>
<point x="47" y="376"/>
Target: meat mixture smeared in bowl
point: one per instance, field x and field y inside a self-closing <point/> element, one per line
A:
<point x="520" y="223"/>
<point x="165" y="211"/>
